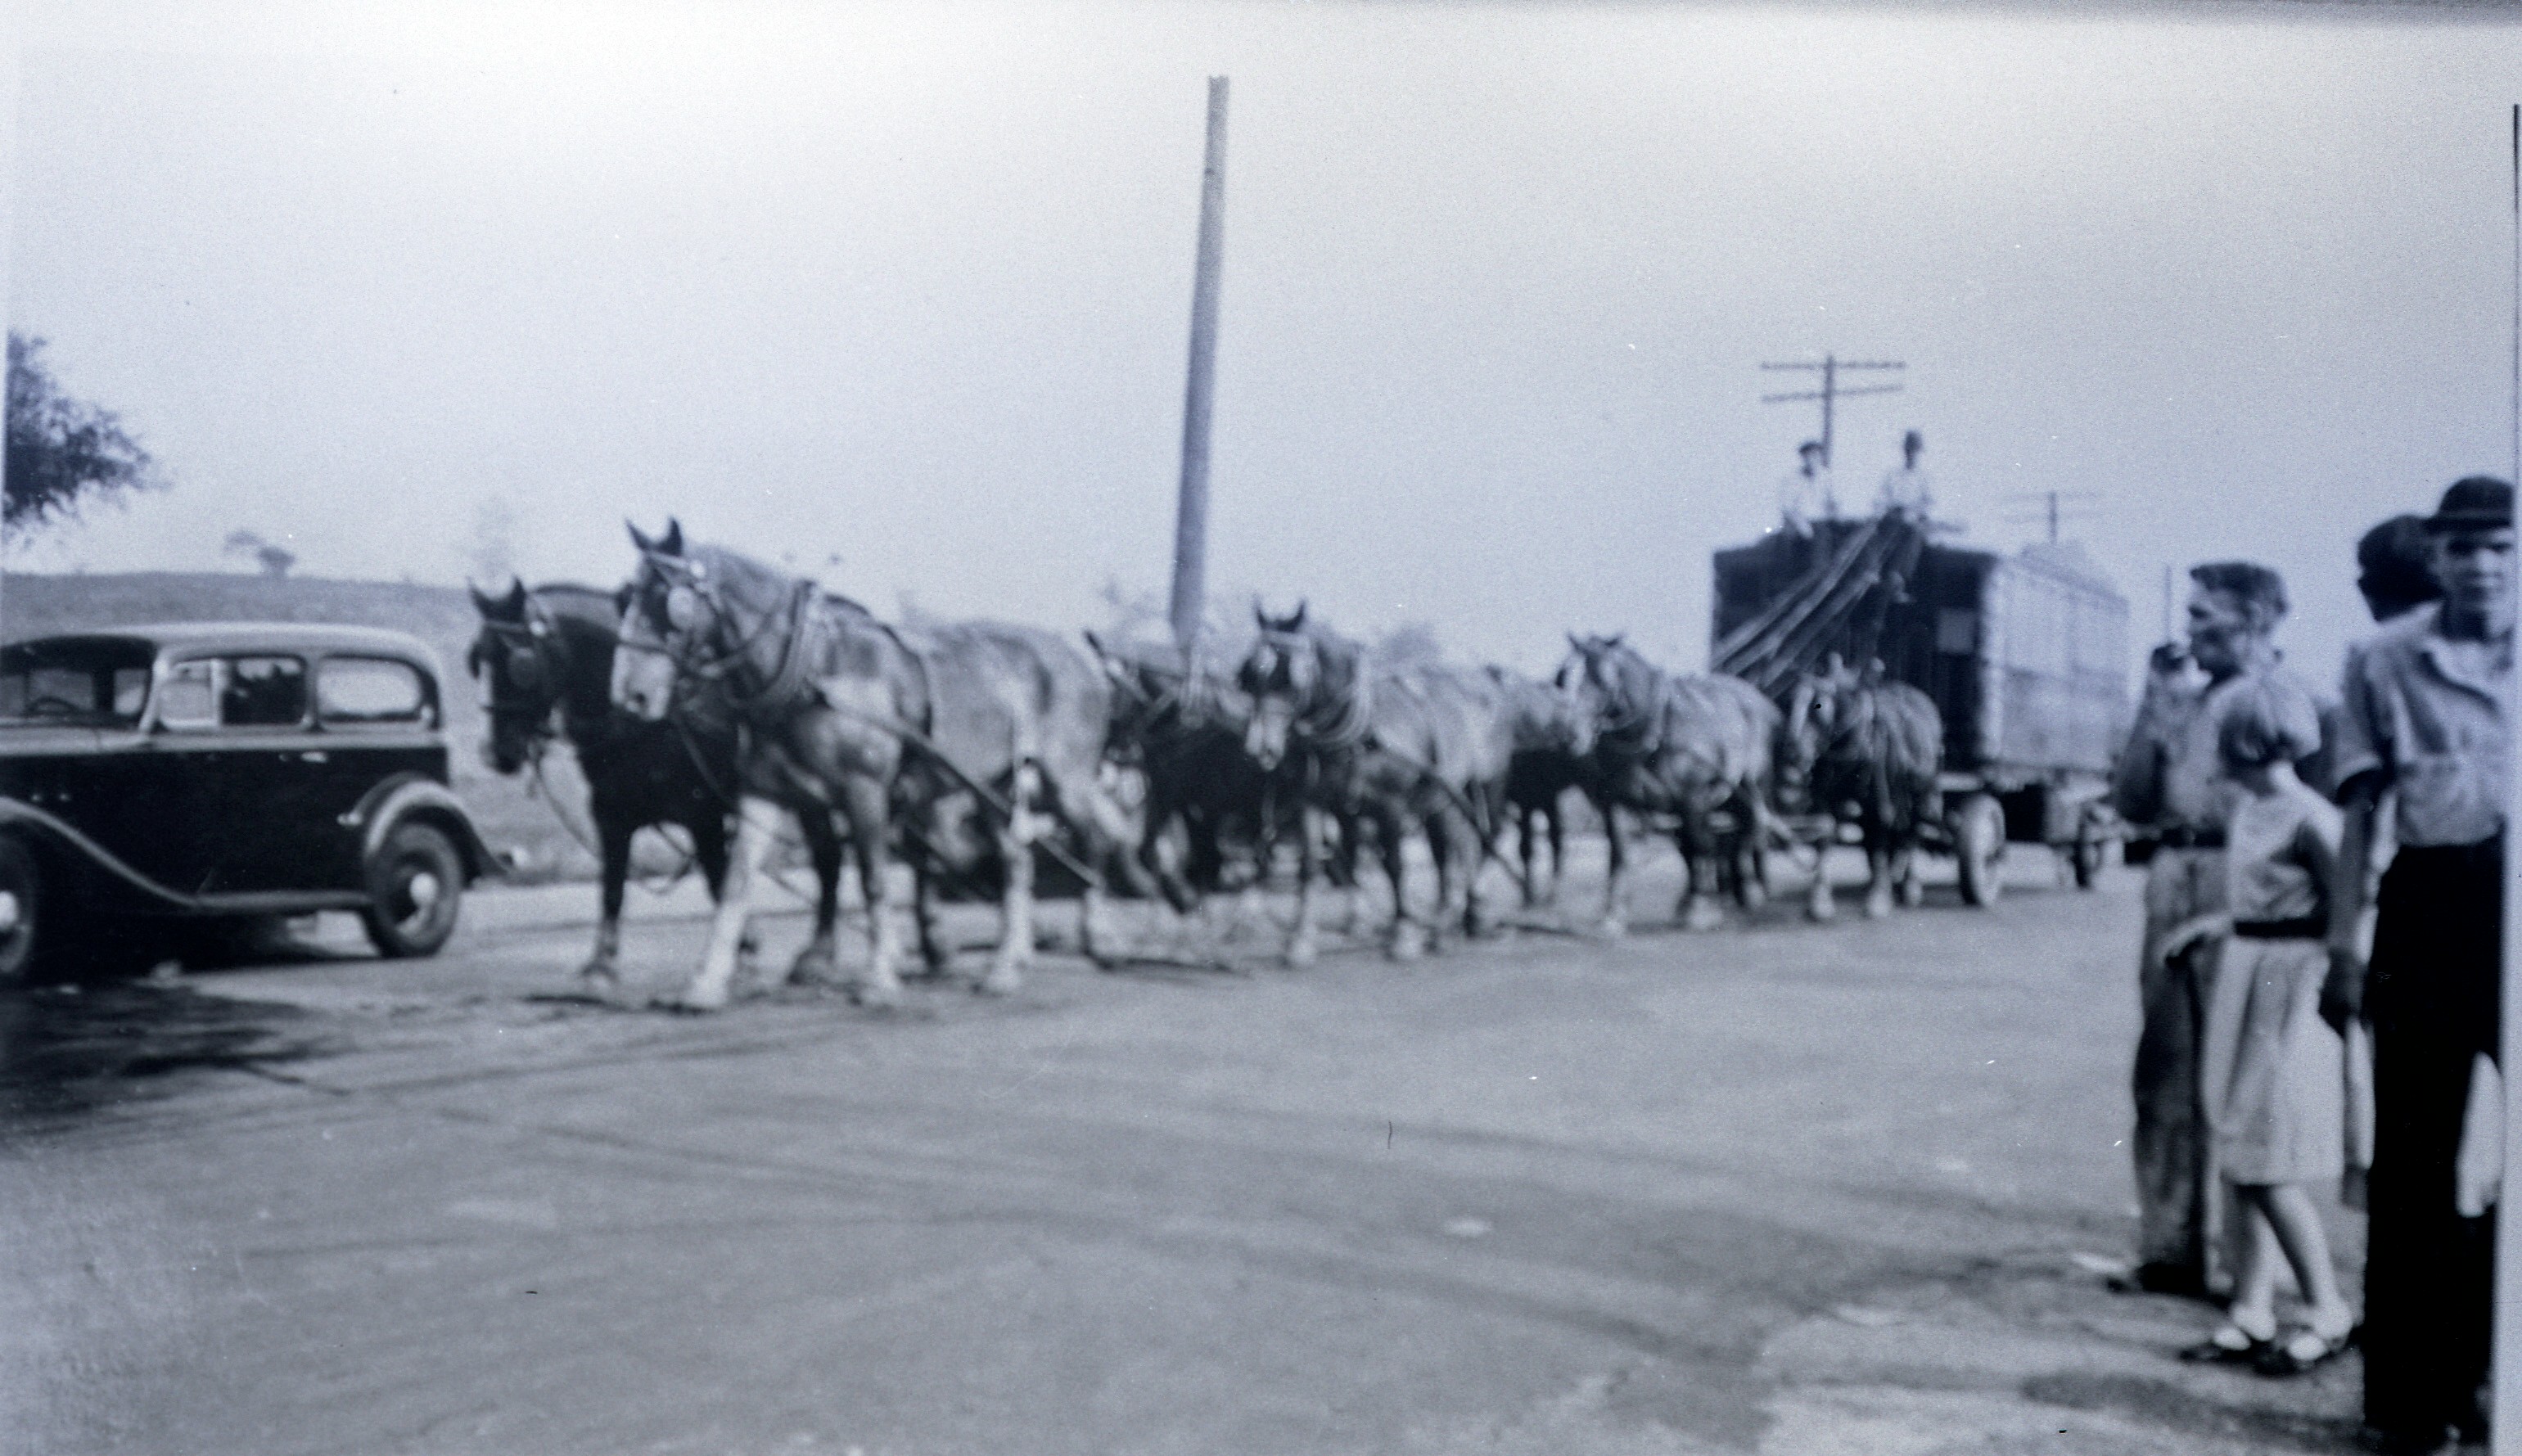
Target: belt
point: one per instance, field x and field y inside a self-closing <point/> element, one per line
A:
<point x="2182" y="836"/>
<point x="2301" y="927"/>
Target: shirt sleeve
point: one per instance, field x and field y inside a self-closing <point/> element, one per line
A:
<point x="2362" y="744"/>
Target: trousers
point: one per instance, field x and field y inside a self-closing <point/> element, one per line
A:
<point x="2176" y="1195"/>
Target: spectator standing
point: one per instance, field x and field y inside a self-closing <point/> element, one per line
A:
<point x="2423" y="719"/>
<point x="2169" y="779"/>
<point x="1806" y="496"/>
<point x="1907" y="490"/>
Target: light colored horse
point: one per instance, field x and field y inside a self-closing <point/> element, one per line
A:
<point x="1866" y="750"/>
<point x="899" y="734"/>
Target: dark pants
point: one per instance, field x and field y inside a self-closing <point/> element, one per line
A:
<point x="2175" y="1183"/>
<point x="2429" y="1273"/>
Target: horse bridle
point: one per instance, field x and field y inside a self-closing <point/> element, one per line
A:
<point x="693" y="577"/>
<point x="536" y="636"/>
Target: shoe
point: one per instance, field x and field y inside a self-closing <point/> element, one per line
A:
<point x="2302" y="1350"/>
<point x="2230" y="1344"/>
<point x="2161" y="1278"/>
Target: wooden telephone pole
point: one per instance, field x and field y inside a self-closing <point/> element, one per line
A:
<point x="1832" y="391"/>
<point x="1191" y="507"/>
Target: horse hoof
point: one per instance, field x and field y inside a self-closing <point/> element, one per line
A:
<point x="1913" y="894"/>
<point x="697" y="998"/>
<point x="1002" y="980"/>
<point x="1407" y="944"/>
<point x="1704" y="916"/>
<point x="815" y="965"/>
<point x="1877" y="906"/>
<point x="600" y="973"/>
<point x="1301" y="954"/>
<point x="876" y="995"/>
<point x="1821" y="911"/>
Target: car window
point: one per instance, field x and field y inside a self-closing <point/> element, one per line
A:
<point x="234" y="692"/>
<point x="264" y="692"/>
<point x="86" y="682"/>
<point x="351" y="690"/>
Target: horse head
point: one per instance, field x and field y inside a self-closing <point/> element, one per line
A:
<point x="697" y="617"/>
<point x="1298" y="677"/>
<point x="514" y="658"/>
<point x="1613" y="687"/>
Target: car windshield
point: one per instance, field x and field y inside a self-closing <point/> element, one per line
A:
<point x="90" y="683"/>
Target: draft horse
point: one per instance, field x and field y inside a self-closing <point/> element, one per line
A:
<point x="1693" y="750"/>
<point x="1553" y="733"/>
<point x="1390" y="750"/>
<point x="1865" y="750"/>
<point x="848" y="717"/>
<point x="548" y="654"/>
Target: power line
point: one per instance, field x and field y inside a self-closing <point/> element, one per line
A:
<point x="2056" y="506"/>
<point x="1832" y="391"/>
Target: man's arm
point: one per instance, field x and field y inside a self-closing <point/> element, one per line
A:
<point x="2136" y="780"/>
<point x="2342" y="994"/>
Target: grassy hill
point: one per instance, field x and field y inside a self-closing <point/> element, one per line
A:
<point x="442" y="616"/>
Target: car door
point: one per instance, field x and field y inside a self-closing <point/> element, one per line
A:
<point x="236" y="729"/>
<point x="375" y="717"/>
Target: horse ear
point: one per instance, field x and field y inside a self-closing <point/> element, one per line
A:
<point x="1297" y="622"/>
<point x="673" y="544"/>
<point x="515" y="601"/>
<point x="1260" y="618"/>
<point x="639" y="539"/>
<point x="1616" y="638"/>
<point x="1575" y="644"/>
<point x="482" y="604"/>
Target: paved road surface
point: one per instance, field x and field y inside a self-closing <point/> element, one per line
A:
<point x="1784" y="1189"/>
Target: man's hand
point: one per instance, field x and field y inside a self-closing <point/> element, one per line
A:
<point x="2342" y="991"/>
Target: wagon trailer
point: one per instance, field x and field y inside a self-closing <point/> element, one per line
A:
<point x="2025" y="657"/>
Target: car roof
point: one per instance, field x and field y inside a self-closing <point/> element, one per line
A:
<point x="192" y="637"/>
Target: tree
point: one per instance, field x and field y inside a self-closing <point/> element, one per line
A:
<point x="63" y="453"/>
<point x="274" y="558"/>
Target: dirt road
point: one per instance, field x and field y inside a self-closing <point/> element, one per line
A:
<point x="1783" y="1188"/>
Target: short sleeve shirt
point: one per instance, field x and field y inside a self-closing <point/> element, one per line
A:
<point x="2189" y="789"/>
<point x="1906" y="490"/>
<point x="2427" y="714"/>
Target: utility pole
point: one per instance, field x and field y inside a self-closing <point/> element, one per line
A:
<point x="1832" y="391"/>
<point x="2055" y="505"/>
<point x="1191" y="507"/>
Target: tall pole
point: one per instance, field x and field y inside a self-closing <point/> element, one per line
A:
<point x="2505" y="1422"/>
<point x="1191" y="508"/>
<point x="1829" y="394"/>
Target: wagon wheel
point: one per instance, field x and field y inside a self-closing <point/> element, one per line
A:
<point x="1979" y="839"/>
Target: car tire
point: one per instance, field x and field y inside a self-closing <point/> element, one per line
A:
<point x="26" y="934"/>
<point x="415" y="887"/>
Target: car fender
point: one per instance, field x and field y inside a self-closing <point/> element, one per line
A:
<point x="19" y="816"/>
<point x="413" y="796"/>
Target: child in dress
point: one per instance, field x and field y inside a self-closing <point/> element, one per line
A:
<point x="2273" y="1073"/>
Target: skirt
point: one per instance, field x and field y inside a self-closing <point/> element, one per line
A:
<point x="2274" y="1074"/>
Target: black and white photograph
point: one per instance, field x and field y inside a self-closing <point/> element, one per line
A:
<point x="1187" y="728"/>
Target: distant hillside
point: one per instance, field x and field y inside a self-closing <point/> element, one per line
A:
<point x="33" y="606"/>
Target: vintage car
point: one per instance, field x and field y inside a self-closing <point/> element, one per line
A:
<point x="210" y="775"/>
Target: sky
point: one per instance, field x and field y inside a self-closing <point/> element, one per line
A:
<point x="899" y="295"/>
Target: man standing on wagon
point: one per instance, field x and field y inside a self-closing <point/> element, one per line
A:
<point x="2424" y="720"/>
<point x="2169" y="779"/>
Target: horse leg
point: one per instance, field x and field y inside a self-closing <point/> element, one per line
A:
<point x="708" y="851"/>
<point x="1818" y="904"/>
<point x="1556" y="822"/>
<point x="1300" y="940"/>
<point x="1474" y="917"/>
<point x="757" y="824"/>
<point x="1342" y="868"/>
<point x="933" y="955"/>
<point x="1752" y="829"/>
<point x="863" y="801"/>
<point x="1015" y="904"/>
<point x="1696" y="838"/>
<point x="1406" y="941"/>
<point x="1878" y="868"/>
<point x="614" y="843"/>
<point x="1616" y="897"/>
<point x="1445" y="834"/>
<point x="819" y="960"/>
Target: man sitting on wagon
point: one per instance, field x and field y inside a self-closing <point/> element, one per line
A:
<point x="2168" y="780"/>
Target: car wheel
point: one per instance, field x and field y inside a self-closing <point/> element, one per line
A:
<point x="22" y="910"/>
<point x="415" y="882"/>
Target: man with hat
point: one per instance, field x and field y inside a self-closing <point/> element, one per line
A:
<point x="2423" y="717"/>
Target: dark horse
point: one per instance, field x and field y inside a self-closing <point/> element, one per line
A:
<point x="1552" y="736"/>
<point x="548" y="653"/>
<point x="1864" y="749"/>
<point x="848" y="717"/>
<point x="1695" y="751"/>
<point x="1423" y="748"/>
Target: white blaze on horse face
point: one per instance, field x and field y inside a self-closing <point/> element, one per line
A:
<point x="644" y="674"/>
<point x="1265" y="738"/>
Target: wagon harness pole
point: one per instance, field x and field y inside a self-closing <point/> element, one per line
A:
<point x="1191" y="507"/>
